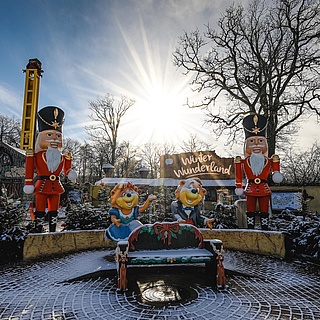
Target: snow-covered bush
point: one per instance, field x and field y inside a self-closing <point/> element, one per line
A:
<point x="303" y="233"/>
<point x="12" y="230"/>
<point x="86" y="217"/>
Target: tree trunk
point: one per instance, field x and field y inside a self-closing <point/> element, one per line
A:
<point x="271" y="137"/>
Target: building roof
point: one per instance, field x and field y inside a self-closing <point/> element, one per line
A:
<point x="167" y="182"/>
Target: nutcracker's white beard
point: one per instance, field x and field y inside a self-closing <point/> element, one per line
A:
<point x="53" y="156"/>
<point x="257" y="163"/>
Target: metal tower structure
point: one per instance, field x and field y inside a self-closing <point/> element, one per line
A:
<point x="30" y="106"/>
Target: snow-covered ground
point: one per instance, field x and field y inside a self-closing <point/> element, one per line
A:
<point x="83" y="286"/>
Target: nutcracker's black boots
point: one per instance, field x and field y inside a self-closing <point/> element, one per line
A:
<point x="52" y="217"/>
<point x="39" y="221"/>
<point x="264" y="220"/>
<point x="251" y="220"/>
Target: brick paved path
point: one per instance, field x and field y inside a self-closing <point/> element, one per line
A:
<point x="259" y="288"/>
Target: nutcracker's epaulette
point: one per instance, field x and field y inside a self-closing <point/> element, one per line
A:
<point x="275" y="158"/>
<point x="237" y="159"/>
<point x="29" y="153"/>
<point x="68" y="155"/>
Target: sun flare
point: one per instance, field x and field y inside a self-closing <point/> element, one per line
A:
<point x="160" y="113"/>
<point x="161" y="116"/>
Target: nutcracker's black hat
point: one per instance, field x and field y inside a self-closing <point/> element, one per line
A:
<point x="255" y="125"/>
<point x="50" y="118"/>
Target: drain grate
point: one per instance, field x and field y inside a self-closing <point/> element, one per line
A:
<point x="164" y="293"/>
<point x="169" y="286"/>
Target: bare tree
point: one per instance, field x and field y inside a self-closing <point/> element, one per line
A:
<point x="107" y="115"/>
<point x="74" y="147"/>
<point x="85" y="151"/>
<point x="10" y="129"/>
<point x="302" y="169"/>
<point x="194" y="144"/>
<point x="167" y="148"/>
<point x="127" y="163"/>
<point x="150" y="155"/>
<point x="264" y="60"/>
<point x="99" y="153"/>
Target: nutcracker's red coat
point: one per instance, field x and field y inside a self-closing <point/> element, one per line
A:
<point x="47" y="192"/>
<point x="252" y="190"/>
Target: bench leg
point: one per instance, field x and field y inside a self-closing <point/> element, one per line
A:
<point x="221" y="277"/>
<point x="122" y="261"/>
<point x="122" y="277"/>
<point x="211" y="272"/>
<point x="215" y="268"/>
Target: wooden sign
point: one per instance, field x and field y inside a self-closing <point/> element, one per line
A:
<point x="202" y="164"/>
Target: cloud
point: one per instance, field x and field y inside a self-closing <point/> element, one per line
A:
<point x="10" y="101"/>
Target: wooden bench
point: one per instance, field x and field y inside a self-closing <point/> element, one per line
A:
<point x="167" y="243"/>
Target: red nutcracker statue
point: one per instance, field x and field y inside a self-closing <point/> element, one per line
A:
<point x="257" y="168"/>
<point x="49" y="163"/>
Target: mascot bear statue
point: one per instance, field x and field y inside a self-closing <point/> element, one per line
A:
<point x="125" y="210"/>
<point x="187" y="208"/>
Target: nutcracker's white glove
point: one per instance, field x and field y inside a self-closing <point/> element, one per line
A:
<point x="239" y="191"/>
<point x="28" y="189"/>
<point x="277" y="177"/>
<point x="72" y="175"/>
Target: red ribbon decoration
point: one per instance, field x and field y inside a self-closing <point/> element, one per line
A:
<point x="166" y="230"/>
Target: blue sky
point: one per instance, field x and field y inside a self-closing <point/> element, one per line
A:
<point x="92" y="47"/>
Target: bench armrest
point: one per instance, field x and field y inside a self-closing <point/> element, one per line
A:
<point x="121" y="252"/>
<point x="123" y="245"/>
<point x="213" y="245"/>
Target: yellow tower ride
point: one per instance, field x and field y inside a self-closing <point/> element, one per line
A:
<point x="30" y="106"/>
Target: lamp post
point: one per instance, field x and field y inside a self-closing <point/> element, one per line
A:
<point x="108" y="170"/>
<point x="143" y="171"/>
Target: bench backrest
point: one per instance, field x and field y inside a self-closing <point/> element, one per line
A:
<point x="165" y="235"/>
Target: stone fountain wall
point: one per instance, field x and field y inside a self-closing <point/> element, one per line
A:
<point x="41" y="245"/>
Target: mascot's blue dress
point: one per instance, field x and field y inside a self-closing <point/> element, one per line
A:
<point x="128" y="223"/>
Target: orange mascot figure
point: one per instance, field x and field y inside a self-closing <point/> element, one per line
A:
<point x="125" y="210"/>
<point x="257" y="167"/>
<point x="187" y="208"/>
<point x="49" y="163"/>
